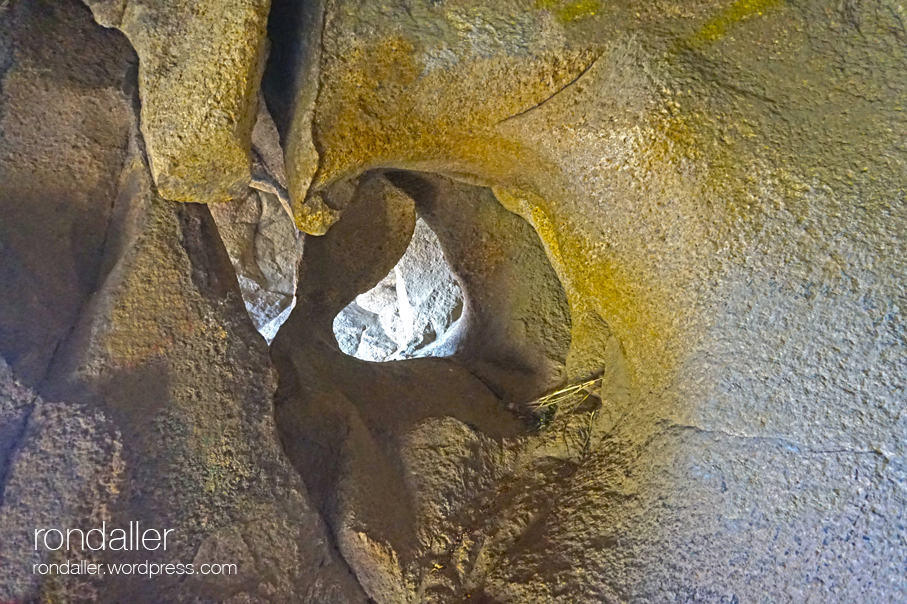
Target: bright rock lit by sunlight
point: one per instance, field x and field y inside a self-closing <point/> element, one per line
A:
<point x="412" y="312"/>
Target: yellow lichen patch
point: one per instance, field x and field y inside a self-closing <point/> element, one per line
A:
<point x="570" y="11"/>
<point x="640" y="316"/>
<point x="450" y="121"/>
<point x="580" y="9"/>
<point x="381" y="107"/>
<point x="716" y="27"/>
<point x="313" y="216"/>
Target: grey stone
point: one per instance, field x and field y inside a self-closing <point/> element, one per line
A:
<point x="264" y="247"/>
<point x="65" y="120"/>
<point x="412" y="308"/>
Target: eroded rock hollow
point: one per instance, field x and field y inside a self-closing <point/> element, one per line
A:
<point x="448" y="301"/>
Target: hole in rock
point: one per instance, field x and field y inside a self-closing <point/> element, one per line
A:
<point x="421" y="266"/>
<point x="413" y="312"/>
<point x="387" y="449"/>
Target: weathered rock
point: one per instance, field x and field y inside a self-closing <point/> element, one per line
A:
<point x="65" y="119"/>
<point x="264" y="247"/>
<point x="266" y="146"/>
<point x="16" y="403"/>
<point x="412" y="308"/>
<point x="335" y="270"/>
<point x="65" y="470"/>
<point x="720" y="191"/>
<point x="167" y="392"/>
<point x="360" y="334"/>
<point x="343" y="421"/>
<point x="429" y="295"/>
<point x="258" y="231"/>
<point x="200" y="70"/>
<point x="515" y="333"/>
<point x="405" y="83"/>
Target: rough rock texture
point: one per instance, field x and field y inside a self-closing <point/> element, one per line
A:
<point x="15" y="406"/>
<point x="361" y="334"/>
<point x="65" y="469"/>
<point x="264" y="247"/>
<point x="344" y="422"/>
<point x="412" y="308"/>
<point x="407" y="82"/>
<point x="166" y="402"/>
<point x="720" y="188"/>
<point x="65" y="118"/>
<point x="259" y="233"/>
<point x="134" y="386"/>
<point x="424" y="479"/>
<point x="266" y="147"/>
<point x="200" y="68"/>
<point x="516" y="329"/>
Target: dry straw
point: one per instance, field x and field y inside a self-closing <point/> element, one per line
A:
<point x="568" y="398"/>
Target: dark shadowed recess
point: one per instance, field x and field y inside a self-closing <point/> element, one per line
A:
<point x="294" y="26"/>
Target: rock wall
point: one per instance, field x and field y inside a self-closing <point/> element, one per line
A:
<point x="65" y="119"/>
<point x="720" y="188"/>
<point x="679" y="229"/>
<point x="164" y="392"/>
<point x="152" y="400"/>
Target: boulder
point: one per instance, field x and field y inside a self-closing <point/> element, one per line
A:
<point x="163" y="415"/>
<point x="200" y="68"/>
<point x="65" y="120"/>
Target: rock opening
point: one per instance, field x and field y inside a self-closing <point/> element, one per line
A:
<point x="412" y="312"/>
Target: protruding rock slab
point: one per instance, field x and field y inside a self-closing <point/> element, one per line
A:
<point x="423" y="82"/>
<point x="200" y="70"/>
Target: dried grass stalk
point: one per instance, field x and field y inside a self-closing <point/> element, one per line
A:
<point x="567" y="398"/>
